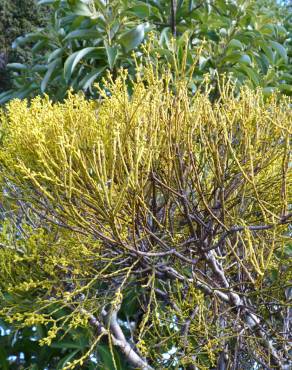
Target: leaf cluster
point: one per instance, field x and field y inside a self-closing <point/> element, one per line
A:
<point x="84" y="38"/>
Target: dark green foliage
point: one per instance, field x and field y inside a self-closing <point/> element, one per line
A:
<point x="19" y="349"/>
<point x="84" y="38"/>
<point x="17" y="17"/>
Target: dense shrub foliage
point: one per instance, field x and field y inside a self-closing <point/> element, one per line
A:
<point x="17" y="17"/>
<point x="160" y="221"/>
<point x="250" y="39"/>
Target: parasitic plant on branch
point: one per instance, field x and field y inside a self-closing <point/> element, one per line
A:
<point x="167" y="203"/>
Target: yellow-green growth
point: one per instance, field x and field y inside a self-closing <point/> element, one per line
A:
<point x="118" y="187"/>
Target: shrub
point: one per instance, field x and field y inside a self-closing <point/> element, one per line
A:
<point x="159" y="220"/>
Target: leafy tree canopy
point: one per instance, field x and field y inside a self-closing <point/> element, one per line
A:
<point x="250" y="39"/>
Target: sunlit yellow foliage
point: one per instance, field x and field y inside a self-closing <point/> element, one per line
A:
<point x="116" y="182"/>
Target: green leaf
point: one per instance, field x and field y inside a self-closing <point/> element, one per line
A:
<point x="3" y="359"/>
<point x="66" y="344"/>
<point x="263" y="62"/>
<point x="88" y="80"/>
<point x="74" y="59"/>
<point x="235" y="44"/>
<point x="6" y="96"/>
<point x="287" y="88"/>
<point x="245" y="59"/>
<point x="17" y="66"/>
<point x="202" y="62"/>
<point x="51" y="68"/>
<point x="288" y="247"/>
<point x="280" y="50"/>
<point x="46" y="2"/>
<point x="274" y="275"/>
<point x="286" y="77"/>
<point x="133" y="38"/>
<point x="267" y="50"/>
<point x="253" y="76"/>
<point x="112" y="53"/>
<point x="82" y="34"/>
<point x="40" y="68"/>
<point x="105" y="357"/>
<point x="141" y="10"/>
<point x="82" y="9"/>
<point x="25" y="91"/>
<point x="42" y="44"/>
<point x="268" y="29"/>
<point x="30" y="37"/>
<point x="66" y="359"/>
<point x="55" y="54"/>
<point x="231" y="58"/>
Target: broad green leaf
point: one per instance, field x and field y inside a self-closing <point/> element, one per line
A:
<point x="66" y="344"/>
<point x="90" y="78"/>
<point x="82" y="34"/>
<point x="17" y="66"/>
<point x="51" y="68"/>
<point x="165" y="37"/>
<point x="112" y="53"/>
<point x="202" y="62"/>
<point x="251" y="73"/>
<point x="286" y="77"/>
<point x="6" y="96"/>
<point x="133" y="38"/>
<point x="245" y="59"/>
<point x="287" y="88"/>
<point x="235" y="44"/>
<point x="163" y="52"/>
<point x="30" y="37"/>
<point x="42" y="44"/>
<point x="67" y="359"/>
<point x="105" y="357"/>
<point x="46" y="2"/>
<point x="40" y="68"/>
<point x="3" y="359"/>
<point x="263" y="62"/>
<point x="268" y="29"/>
<point x="24" y="93"/>
<point x="280" y="50"/>
<point x="141" y="10"/>
<point x="55" y="54"/>
<point x="145" y="10"/>
<point x="267" y="50"/>
<point x="82" y="9"/>
<point x="74" y="59"/>
<point x="231" y="57"/>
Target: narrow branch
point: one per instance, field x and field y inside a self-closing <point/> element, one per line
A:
<point x="118" y="338"/>
<point x="173" y="6"/>
<point x="236" y="229"/>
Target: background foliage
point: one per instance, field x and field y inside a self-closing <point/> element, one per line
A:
<point x="250" y="39"/>
<point x="17" y="17"/>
